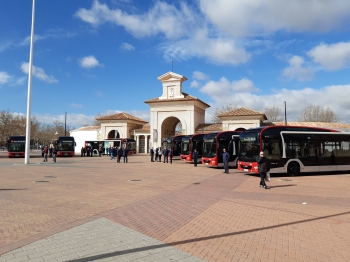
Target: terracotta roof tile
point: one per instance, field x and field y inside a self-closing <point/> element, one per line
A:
<point x="121" y="116"/>
<point x="186" y="98"/>
<point x="145" y="128"/>
<point x="209" y="127"/>
<point x="88" y="128"/>
<point x="242" y="111"/>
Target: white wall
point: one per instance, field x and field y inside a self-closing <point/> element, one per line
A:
<point x="81" y="136"/>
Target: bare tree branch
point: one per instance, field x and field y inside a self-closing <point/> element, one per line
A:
<point x="316" y="113"/>
<point x="273" y="114"/>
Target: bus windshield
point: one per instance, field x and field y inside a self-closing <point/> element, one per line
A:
<point x="16" y="146"/>
<point x="65" y="145"/>
<point x="209" y="146"/>
<point x="185" y="146"/>
<point x="249" y="147"/>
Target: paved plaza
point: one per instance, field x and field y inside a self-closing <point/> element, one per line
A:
<point x="95" y="209"/>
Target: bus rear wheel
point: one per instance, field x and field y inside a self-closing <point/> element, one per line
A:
<point x="293" y="169"/>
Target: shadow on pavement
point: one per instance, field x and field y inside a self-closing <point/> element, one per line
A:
<point x="140" y="249"/>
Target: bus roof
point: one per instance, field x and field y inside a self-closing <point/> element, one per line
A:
<point x="286" y="128"/>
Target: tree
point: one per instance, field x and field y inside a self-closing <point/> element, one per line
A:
<point x="221" y="110"/>
<point x="273" y="114"/>
<point x="95" y="122"/>
<point x="316" y="113"/>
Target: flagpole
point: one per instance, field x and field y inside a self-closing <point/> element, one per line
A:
<point x="28" y="125"/>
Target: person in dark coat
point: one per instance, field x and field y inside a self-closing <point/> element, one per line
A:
<point x="82" y="151"/>
<point x="91" y="151"/>
<point x="119" y="154"/>
<point x="152" y="154"/>
<point x="125" y="154"/>
<point x="226" y="159"/>
<point x="195" y="157"/>
<point x="262" y="168"/>
<point x="54" y="153"/>
<point x="157" y="152"/>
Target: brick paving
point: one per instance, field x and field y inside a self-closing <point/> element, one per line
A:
<point x="196" y="213"/>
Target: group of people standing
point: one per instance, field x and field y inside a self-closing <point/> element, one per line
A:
<point x="49" y="152"/>
<point x="87" y="151"/>
<point x="118" y="152"/>
<point x="156" y="155"/>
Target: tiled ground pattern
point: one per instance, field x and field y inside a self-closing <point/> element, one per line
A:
<point x="211" y="215"/>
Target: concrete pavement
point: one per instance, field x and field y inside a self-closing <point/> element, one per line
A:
<point x="94" y="209"/>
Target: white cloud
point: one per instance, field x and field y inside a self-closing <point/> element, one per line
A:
<point x="161" y="18"/>
<point x="89" y="62"/>
<point x="199" y="75"/>
<point x="5" y="78"/>
<point x="194" y="83"/>
<point x="335" y="97"/>
<point x="215" y="50"/>
<point x="73" y="120"/>
<point x="297" y="71"/>
<point x="331" y="57"/>
<point x="126" y="46"/>
<point x="186" y="30"/>
<point x="223" y="91"/>
<point x="38" y="73"/>
<point x="256" y="17"/>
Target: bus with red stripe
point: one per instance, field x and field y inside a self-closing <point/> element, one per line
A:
<point x="214" y="143"/>
<point x="65" y="145"/>
<point x="190" y="143"/>
<point x="294" y="149"/>
<point x="16" y="146"/>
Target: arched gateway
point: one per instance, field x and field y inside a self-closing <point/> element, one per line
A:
<point x="173" y="107"/>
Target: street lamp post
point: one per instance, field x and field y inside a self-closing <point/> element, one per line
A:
<point x="65" y="123"/>
<point x="29" y="102"/>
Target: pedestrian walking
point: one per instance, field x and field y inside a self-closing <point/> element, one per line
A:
<point x="46" y="151"/>
<point x="42" y="151"/>
<point x="263" y="168"/>
<point x="225" y="159"/>
<point x="112" y="153"/>
<point x="195" y="157"/>
<point x="152" y="154"/>
<point x="54" y="154"/>
<point x="82" y="151"/>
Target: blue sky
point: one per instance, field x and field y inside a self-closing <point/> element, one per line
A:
<point x="104" y="56"/>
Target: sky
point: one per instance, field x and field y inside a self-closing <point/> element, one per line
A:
<point x="104" y="56"/>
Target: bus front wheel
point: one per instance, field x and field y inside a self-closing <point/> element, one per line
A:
<point x="293" y="169"/>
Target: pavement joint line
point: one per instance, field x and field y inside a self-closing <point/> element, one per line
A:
<point x="139" y="246"/>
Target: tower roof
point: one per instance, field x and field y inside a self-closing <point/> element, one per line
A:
<point x="121" y="116"/>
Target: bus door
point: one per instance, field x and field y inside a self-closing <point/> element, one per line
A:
<point x="232" y="149"/>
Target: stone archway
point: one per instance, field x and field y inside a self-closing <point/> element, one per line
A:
<point x="113" y="134"/>
<point x="168" y="127"/>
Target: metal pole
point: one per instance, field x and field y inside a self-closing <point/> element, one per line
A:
<point x="65" y="123"/>
<point x="285" y="113"/>
<point x="27" y="150"/>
